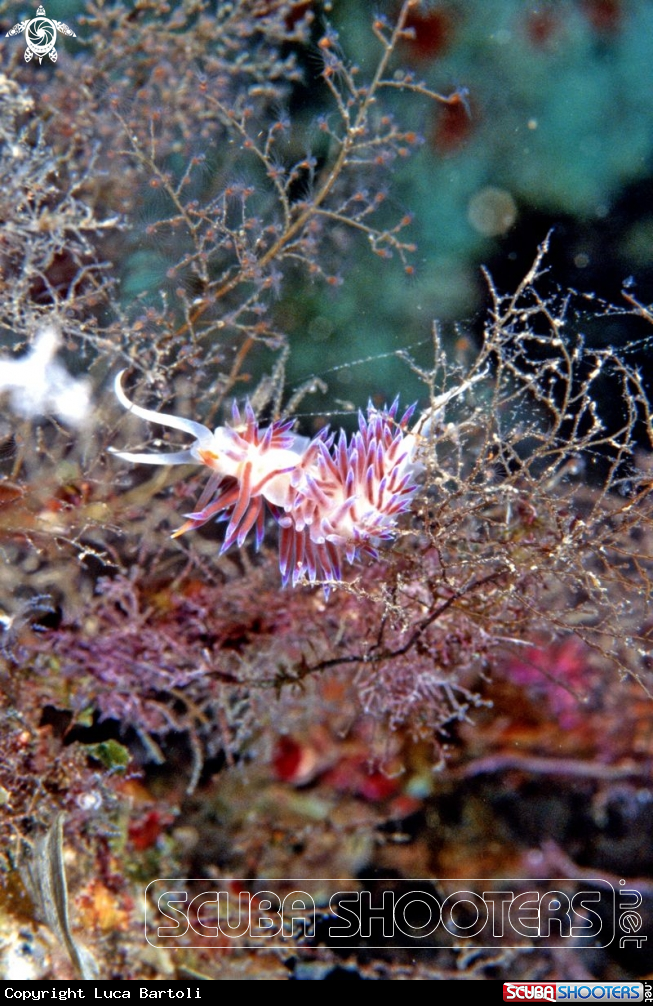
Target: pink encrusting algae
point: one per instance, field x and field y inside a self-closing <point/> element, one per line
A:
<point x="333" y="499"/>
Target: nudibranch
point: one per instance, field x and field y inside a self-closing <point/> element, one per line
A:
<point x="332" y="498"/>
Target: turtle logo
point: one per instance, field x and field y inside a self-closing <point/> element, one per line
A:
<point x="40" y="35"/>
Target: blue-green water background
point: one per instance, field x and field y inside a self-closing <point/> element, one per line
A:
<point x="560" y="125"/>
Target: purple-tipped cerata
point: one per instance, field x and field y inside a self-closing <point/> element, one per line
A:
<point x="333" y="499"/>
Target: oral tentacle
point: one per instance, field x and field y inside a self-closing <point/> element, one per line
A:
<point x="196" y="430"/>
<point x="187" y="457"/>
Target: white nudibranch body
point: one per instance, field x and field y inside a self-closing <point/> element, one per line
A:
<point x="332" y="499"/>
